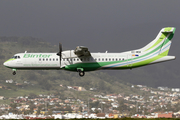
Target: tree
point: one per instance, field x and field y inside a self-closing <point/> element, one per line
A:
<point x="50" y="112"/>
<point x="32" y="95"/>
<point x="101" y="85"/>
<point x="94" y="104"/>
<point x="80" y="109"/>
<point x="32" y="106"/>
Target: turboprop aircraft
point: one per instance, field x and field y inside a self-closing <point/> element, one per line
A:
<point x="82" y="60"/>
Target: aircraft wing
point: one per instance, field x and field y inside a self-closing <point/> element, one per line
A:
<point x="81" y="51"/>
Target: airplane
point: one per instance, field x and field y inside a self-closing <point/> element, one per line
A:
<point x="82" y="60"/>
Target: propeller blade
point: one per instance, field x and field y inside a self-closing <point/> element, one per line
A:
<point x="60" y="47"/>
<point x="60" y="53"/>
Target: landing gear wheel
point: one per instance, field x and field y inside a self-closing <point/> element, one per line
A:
<point x="81" y="73"/>
<point x="14" y="73"/>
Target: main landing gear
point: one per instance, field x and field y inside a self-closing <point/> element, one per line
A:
<point x="81" y="72"/>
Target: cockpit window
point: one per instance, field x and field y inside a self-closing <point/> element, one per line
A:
<point x="16" y="57"/>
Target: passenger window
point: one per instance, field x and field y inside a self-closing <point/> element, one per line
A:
<point x="46" y="59"/>
<point x="43" y="59"/>
<point x="119" y="59"/>
<point x="123" y="59"/>
<point x="106" y="59"/>
<point x="39" y="59"/>
<point x="109" y="59"/>
<point x="56" y="59"/>
<point x="113" y="59"/>
<point x="15" y="57"/>
<point x="116" y="59"/>
<point x="102" y="59"/>
<point x="74" y="59"/>
<point x="19" y="57"/>
<point x="77" y="59"/>
<point x="50" y="59"/>
<point x="53" y="59"/>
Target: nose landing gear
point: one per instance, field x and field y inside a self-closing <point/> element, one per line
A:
<point x="14" y="71"/>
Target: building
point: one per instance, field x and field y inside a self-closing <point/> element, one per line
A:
<point x="101" y="115"/>
<point x="164" y="115"/>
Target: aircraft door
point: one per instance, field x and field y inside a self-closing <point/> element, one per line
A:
<point x="129" y="60"/>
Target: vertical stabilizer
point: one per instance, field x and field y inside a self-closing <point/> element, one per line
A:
<point x="162" y="42"/>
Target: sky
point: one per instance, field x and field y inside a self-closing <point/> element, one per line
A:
<point x="101" y="25"/>
<point x="113" y="25"/>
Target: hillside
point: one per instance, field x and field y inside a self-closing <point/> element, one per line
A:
<point x="49" y="81"/>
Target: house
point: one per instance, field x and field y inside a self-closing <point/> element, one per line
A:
<point x="81" y="89"/>
<point x="1" y="97"/>
<point x="101" y="115"/>
<point x="164" y="115"/>
<point x="93" y="99"/>
<point x="69" y="87"/>
<point x="176" y="89"/>
<point x="140" y="86"/>
<point x="67" y="101"/>
<point x="115" y="105"/>
<point x="174" y="102"/>
<point x="92" y="89"/>
<point x="163" y="88"/>
<point x="9" y="81"/>
<point x="110" y="99"/>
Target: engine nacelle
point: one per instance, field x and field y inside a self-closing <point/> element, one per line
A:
<point x="81" y="51"/>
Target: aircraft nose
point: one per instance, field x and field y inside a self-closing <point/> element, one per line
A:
<point x="5" y="63"/>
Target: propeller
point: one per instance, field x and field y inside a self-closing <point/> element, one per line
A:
<point x="60" y="53"/>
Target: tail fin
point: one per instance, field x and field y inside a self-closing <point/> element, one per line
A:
<point x="162" y="42"/>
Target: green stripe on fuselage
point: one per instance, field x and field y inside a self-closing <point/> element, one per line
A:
<point x="143" y="63"/>
<point x="10" y="59"/>
<point x="89" y="66"/>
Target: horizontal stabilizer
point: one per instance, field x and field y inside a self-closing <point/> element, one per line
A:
<point x="163" y="59"/>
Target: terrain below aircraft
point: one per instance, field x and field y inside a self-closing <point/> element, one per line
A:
<point x="82" y="60"/>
